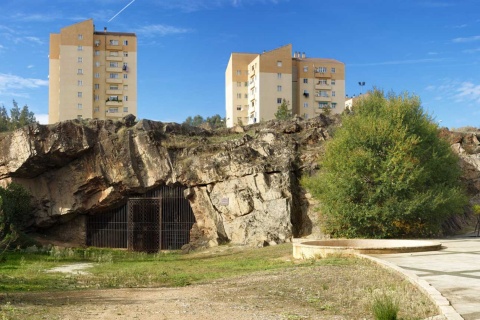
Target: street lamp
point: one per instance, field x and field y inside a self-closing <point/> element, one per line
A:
<point x="361" y="84"/>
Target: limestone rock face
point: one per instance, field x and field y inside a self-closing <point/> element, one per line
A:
<point x="242" y="184"/>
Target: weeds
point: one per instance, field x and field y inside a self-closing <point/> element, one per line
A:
<point x="385" y="307"/>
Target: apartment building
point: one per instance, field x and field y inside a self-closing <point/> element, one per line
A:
<point x="257" y="84"/>
<point x="92" y="74"/>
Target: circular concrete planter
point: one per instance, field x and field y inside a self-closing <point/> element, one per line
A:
<point x="321" y="248"/>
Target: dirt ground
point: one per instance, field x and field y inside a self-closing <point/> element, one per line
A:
<point x="299" y="293"/>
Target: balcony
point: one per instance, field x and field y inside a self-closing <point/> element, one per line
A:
<point x="114" y="92"/>
<point x="116" y="47"/>
<point x="323" y="87"/>
<point x="114" y="103"/>
<point x="114" y="69"/>
<point x="322" y="74"/>
<point x="112" y="80"/>
<point x="114" y="58"/>
<point x="320" y="98"/>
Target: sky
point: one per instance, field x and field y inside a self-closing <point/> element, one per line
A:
<point x="430" y="48"/>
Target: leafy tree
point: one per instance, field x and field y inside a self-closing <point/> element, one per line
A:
<point x="17" y="119"/>
<point x="386" y="173"/>
<point x="283" y="112"/>
<point x="15" y="208"/>
<point x="215" y="121"/>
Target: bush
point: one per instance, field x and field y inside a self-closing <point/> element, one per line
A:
<point x="386" y="173"/>
<point x="385" y="308"/>
<point x="15" y="208"/>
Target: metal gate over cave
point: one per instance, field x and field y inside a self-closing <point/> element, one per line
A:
<point x="161" y="219"/>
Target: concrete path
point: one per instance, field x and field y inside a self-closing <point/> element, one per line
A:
<point x="453" y="271"/>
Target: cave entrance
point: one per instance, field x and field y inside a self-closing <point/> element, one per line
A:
<point x="161" y="219"/>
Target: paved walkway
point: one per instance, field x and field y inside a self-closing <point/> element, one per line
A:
<point x="453" y="271"/>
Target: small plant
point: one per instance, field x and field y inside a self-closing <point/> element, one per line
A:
<point x="384" y="307"/>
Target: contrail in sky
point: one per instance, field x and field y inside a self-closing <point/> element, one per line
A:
<point x="121" y="10"/>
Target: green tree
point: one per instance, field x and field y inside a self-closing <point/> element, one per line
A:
<point x="216" y="121"/>
<point x="19" y="117"/>
<point x="4" y="119"/>
<point x="283" y="112"/>
<point x="14" y="116"/>
<point x="15" y="207"/>
<point x="386" y="173"/>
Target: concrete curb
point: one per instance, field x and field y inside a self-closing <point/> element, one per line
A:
<point x="442" y="303"/>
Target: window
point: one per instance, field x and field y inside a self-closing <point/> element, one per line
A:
<point x="305" y="69"/>
<point x="322" y="105"/>
<point x="97" y="52"/>
<point x="305" y="80"/>
<point x="322" y="93"/>
<point x="114" y="42"/>
<point x="79" y="83"/>
<point x="79" y="59"/>
<point x="125" y="53"/>
<point x="239" y="72"/>
<point x="125" y="66"/>
<point x="96" y="75"/>
<point x="96" y="97"/>
<point x="79" y="116"/>
<point x="113" y="75"/>
<point x="97" y="43"/>
<point x="113" y="54"/>
<point x="333" y="70"/>
<point x="80" y="48"/>
<point x="333" y="93"/>
<point x="96" y="109"/>
<point x="239" y="84"/>
<point x="239" y="96"/>
<point x="332" y="82"/>
<point x="113" y="98"/>
<point x="113" y="110"/>
<point x="79" y="106"/>
<point x="97" y="64"/>
<point x="279" y="88"/>
<point x="80" y="37"/>
<point x="246" y="83"/>
<point x="279" y="63"/>
<point x="305" y="116"/>
<point x="97" y="86"/>
<point x="113" y="87"/>
<point x="113" y="64"/>
<point x="125" y="76"/>
<point x="125" y="87"/>
<point x="323" y="82"/>
<point x="80" y="71"/>
<point x="125" y="42"/>
<point x="125" y="109"/>
<point x="321" y="69"/>
<point x="334" y="105"/>
<point x="239" y="108"/>
<point x="305" y="104"/>
<point x="279" y="100"/>
<point x="279" y="76"/>
<point x="79" y="94"/>
<point x="125" y="98"/>
<point x="246" y="95"/>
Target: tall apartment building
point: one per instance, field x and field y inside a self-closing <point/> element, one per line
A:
<point x="92" y="74"/>
<point x="257" y="84"/>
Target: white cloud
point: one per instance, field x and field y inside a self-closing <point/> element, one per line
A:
<point x="471" y="50"/>
<point x="468" y="91"/>
<point x="11" y="83"/>
<point x="466" y="39"/>
<point x="160" y="30"/>
<point x="30" y="66"/>
<point x="395" y="62"/>
<point x="191" y="5"/>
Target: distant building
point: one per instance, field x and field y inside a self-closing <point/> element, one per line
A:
<point x="92" y="74"/>
<point x="257" y="84"/>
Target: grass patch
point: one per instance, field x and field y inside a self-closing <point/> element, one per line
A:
<point x="294" y="289"/>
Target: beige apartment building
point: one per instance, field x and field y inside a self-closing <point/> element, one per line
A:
<point x="92" y="74"/>
<point x="257" y="84"/>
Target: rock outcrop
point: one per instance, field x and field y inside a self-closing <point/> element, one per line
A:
<point x="242" y="186"/>
<point x="242" y="183"/>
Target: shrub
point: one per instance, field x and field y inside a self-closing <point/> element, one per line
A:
<point x="386" y="173"/>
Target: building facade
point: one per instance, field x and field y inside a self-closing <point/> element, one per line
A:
<point x="257" y="84"/>
<point x="92" y="74"/>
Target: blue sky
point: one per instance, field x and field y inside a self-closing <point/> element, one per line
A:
<point x="428" y="47"/>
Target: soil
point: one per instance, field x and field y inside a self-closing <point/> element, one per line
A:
<point x="299" y="293"/>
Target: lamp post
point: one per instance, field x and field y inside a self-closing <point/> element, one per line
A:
<point x="361" y="84"/>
